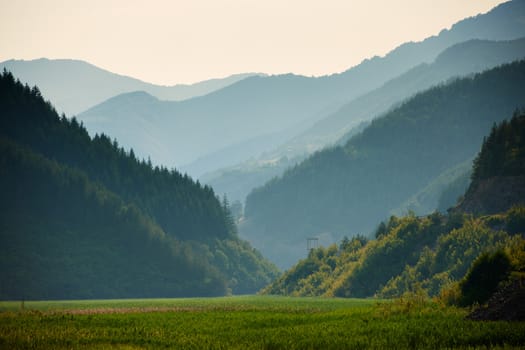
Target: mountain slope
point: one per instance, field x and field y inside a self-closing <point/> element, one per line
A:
<point x="498" y="178"/>
<point x="260" y="106"/>
<point x="348" y="189"/>
<point x="75" y="85"/>
<point x="432" y="254"/>
<point x="453" y="182"/>
<point x="192" y="128"/>
<point x="461" y="59"/>
<point x="62" y="236"/>
<point x="414" y="256"/>
<point x="83" y="218"/>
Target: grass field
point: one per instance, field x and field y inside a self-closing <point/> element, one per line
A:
<point x="250" y="322"/>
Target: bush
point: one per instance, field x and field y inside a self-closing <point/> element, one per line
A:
<point x="515" y="222"/>
<point x="450" y="294"/>
<point x="483" y="277"/>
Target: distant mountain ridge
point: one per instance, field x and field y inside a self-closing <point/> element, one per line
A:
<point x="75" y="85"/>
<point x="458" y="60"/>
<point x="193" y="128"/>
<point x="347" y="190"/>
<point x="257" y="106"/>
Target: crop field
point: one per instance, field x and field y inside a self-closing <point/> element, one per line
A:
<point x="248" y="322"/>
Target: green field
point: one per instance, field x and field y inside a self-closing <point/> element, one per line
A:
<point x="250" y="322"/>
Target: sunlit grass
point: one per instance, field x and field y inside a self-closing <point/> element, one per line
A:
<point x="220" y="303"/>
<point x="248" y="322"/>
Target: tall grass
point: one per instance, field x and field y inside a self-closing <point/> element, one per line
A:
<point x="250" y="323"/>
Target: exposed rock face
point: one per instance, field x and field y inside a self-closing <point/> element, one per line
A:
<point x="494" y="195"/>
<point x="507" y="304"/>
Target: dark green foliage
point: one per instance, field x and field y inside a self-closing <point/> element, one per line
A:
<point x="82" y="218"/>
<point x="413" y="255"/>
<point x="384" y="228"/>
<point x="498" y="176"/>
<point x="352" y="188"/>
<point x="246" y="269"/>
<point x="483" y="277"/>
<point x="354" y="244"/>
<point x="309" y="276"/>
<point x="381" y="230"/>
<point x="515" y="222"/>
<point x="181" y="206"/>
<point x="388" y="255"/>
<point x="503" y="151"/>
<point x="64" y="236"/>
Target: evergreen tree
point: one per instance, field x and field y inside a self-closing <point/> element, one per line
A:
<point x="83" y="218"/>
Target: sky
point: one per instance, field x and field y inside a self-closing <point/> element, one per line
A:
<point x="185" y="41"/>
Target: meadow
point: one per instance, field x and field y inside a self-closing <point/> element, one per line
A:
<point x="249" y="322"/>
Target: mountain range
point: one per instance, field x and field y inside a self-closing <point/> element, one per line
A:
<point x="391" y="134"/>
<point x="75" y="85"/>
<point x="260" y="113"/>
<point x="458" y="60"/>
<point x="347" y="190"/>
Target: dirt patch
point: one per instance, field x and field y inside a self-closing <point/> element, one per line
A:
<point x="125" y="310"/>
<point x="149" y="309"/>
<point x="494" y="195"/>
<point x="507" y="304"/>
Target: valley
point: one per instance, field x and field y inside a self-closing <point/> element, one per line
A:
<point x="380" y="206"/>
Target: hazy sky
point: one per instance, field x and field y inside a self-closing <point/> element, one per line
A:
<point x="169" y="42"/>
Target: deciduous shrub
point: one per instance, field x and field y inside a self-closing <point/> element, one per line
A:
<point x="483" y="277"/>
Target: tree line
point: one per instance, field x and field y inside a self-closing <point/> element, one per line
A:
<point x="83" y="218"/>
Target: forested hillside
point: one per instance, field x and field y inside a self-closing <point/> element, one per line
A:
<point x="347" y="190"/>
<point x="432" y="254"/>
<point x="459" y="60"/>
<point x="498" y="177"/>
<point x="81" y="217"/>
<point x="409" y="255"/>
<point x="258" y="114"/>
